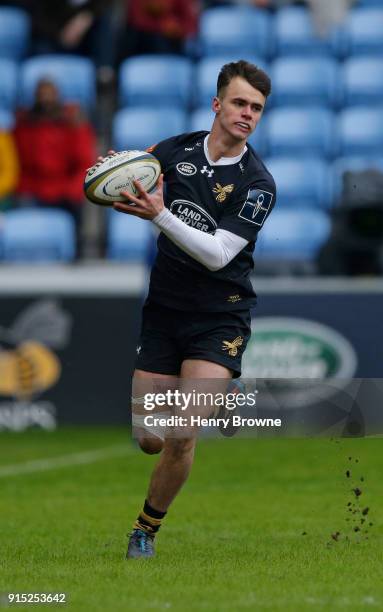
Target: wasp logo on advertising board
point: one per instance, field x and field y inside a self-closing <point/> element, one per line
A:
<point x="29" y="364"/>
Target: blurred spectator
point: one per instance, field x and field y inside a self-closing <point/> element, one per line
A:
<point x="328" y="13"/>
<point x="83" y="27"/>
<point x="325" y="13"/>
<point x="56" y="145"/>
<point x="159" y="26"/>
<point x="9" y="169"/>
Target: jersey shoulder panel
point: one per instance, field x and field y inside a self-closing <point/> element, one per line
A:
<point x="258" y="172"/>
<point x="254" y="201"/>
<point x="165" y="150"/>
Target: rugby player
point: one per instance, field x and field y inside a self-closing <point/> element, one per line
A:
<point x="196" y="319"/>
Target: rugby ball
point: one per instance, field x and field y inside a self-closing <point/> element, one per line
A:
<point x="105" y="180"/>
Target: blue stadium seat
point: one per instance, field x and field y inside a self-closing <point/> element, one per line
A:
<point x="302" y="182"/>
<point x="74" y="76"/>
<point x="370" y="3"/>
<point x="138" y="128"/>
<point x="35" y="235"/>
<point x="236" y="31"/>
<point x="202" y="119"/>
<point x="14" y="32"/>
<point x="353" y="164"/>
<point x="363" y="31"/>
<point x="293" y="235"/>
<point x="361" y="132"/>
<point x="363" y="81"/>
<point x="302" y="81"/>
<point x="161" y="79"/>
<point x="207" y="73"/>
<point x="128" y="238"/>
<point x="6" y="120"/>
<point x="295" y="35"/>
<point x="301" y="132"/>
<point x="8" y="83"/>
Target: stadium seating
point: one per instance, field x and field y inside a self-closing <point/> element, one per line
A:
<point x="361" y="132"/>
<point x="128" y="238"/>
<point x="8" y="83"/>
<point x="363" y="81"/>
<point x="301" y="182"/>
<point x="370" y="3"/>
<point x="74" y="76"/>
<point x="14" y="32"/>
<point x="363" y="31"/>
<point x="201" y="119"/>
<point x="140" y="128"/>
<point x="6" y="120"/>
<point x="295" y="35"/>
<point x="236" y="31"/>
<point x="207" y="72"/>
<point x="35" y="235"/>
<point x="353" y="164"/>
<point x="303" y="81"/>
<point x="300" y="132"/>
<point x="293" y="235"/>
<point x="165" y="79"/>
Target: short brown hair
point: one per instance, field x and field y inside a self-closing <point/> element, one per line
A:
<point x="251" y="73"/>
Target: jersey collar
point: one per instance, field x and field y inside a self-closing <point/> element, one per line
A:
<point x="222" y="161"/>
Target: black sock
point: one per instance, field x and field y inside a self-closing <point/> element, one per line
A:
<point x="149" y="519"/>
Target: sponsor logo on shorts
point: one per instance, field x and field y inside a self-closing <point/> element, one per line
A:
<point x="186" y="169"/>
<point x="232" y="346"/>
<point x="233" y="299"/>
<point x="194" y="215"/>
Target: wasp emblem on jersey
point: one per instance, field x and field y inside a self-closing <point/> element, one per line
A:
<point x="222" y="191"/>
<point x="232" y="347"/>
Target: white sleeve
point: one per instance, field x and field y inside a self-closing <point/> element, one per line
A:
<point x="214" y="251"/>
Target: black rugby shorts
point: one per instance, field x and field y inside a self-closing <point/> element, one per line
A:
<point x="169" y="336"/>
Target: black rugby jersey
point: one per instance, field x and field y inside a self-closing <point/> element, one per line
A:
<point x="236" y="197"/>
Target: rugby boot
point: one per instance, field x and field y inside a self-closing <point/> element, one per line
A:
<point x="141" y="545"/>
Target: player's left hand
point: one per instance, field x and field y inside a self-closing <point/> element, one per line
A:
<point x="145" y="205"/>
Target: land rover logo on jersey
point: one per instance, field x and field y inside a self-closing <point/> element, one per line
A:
<point x="293" y="349"/>
<point x="257" y="206"/>
<point x="186" y="169"/>
<point x="194" y="215"/>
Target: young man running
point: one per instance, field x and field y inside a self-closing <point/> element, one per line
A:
<point x="196" y="320"/>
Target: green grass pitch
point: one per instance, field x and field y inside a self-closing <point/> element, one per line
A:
<point x="251" y="530"/>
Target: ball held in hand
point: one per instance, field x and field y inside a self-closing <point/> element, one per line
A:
<point x="105" y="180"/>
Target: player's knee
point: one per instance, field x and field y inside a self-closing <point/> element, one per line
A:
<point x="151" y="446"/>
<point x="179" y="448"/>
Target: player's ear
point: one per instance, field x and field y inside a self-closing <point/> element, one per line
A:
<point x="216" y="105"/>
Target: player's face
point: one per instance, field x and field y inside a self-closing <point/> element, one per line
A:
<point x="239" y="108"/>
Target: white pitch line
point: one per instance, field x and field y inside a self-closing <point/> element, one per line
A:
<point x="53" y="463"/>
